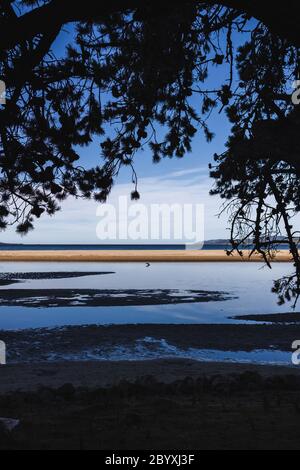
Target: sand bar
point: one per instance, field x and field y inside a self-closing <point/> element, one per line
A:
<point x="136" y="256"/>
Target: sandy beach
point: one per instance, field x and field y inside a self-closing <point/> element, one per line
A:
<point x="138" y="256"/>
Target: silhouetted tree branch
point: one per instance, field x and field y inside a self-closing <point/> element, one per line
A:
<point x="130" y="75"/>
<point x="281" y="18"/>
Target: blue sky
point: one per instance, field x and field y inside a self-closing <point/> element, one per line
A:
<point x="173" y="179"/>
<point x="176" y="180"/>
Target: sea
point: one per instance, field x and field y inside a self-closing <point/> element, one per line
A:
<point x="126" y="292"/>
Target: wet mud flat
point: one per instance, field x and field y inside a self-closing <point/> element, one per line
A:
<point x="13" y="278"/>
<point x="105" y="297"/>
<point x="289" y="317"/>
<point x="93" y="342"/>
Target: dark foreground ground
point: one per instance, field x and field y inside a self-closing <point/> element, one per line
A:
<point x="157" y="404"/>
<point x="244" y="410"/>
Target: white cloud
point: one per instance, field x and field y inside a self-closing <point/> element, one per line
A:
<point x="77" y="220"/>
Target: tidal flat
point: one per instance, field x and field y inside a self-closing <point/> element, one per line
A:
<point x="150" y="341"/>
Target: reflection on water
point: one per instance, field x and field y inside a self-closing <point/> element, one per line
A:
<point x="250" y="283"/>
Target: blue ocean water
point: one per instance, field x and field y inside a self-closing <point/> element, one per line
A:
<point x="61" y="247"/>
<point x="248" y="284"/>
